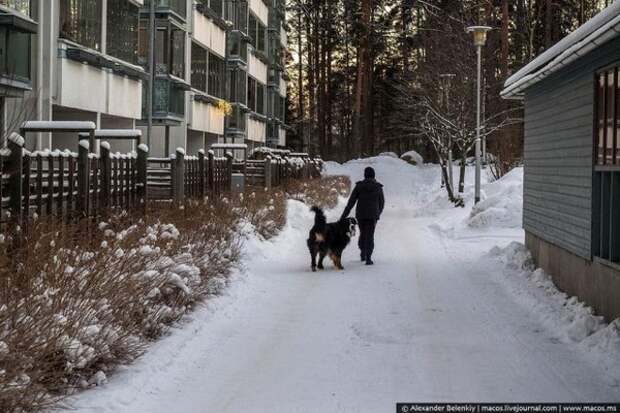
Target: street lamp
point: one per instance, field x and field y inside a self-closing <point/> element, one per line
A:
<point x="446" y="82"/>
<point x="480" y="38"/>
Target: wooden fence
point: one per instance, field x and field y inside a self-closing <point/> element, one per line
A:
<point x="72" y="185"/>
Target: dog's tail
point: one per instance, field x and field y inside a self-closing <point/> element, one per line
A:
<point x="320" y="221"/>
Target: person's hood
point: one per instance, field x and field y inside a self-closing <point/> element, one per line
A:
<point x="371" y="181"/>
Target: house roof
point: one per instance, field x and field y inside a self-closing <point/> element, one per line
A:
<point x="602" y="28"/>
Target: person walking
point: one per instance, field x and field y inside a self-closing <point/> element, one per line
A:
<point x="368" y="195"/>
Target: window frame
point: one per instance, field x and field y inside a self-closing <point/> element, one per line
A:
<point x="606" y="167"/>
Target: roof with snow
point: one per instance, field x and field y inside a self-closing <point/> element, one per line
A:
<point x="604" y="27"/>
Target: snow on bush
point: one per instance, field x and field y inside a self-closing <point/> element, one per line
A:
<point x="569" y="318"/>
<point x="413" y="158"/>
<point x="77" y="300"/>
<point x="502" y="203"/>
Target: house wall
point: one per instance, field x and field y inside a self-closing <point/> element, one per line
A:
<point x="557" y="198"/>
<point x="558" y="153"/>
<point x="594" y="282"/>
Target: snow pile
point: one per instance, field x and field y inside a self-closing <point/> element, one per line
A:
<point x="569" y="318"/>
<point x="502" y="205"/>
<point x="389" y="154"/>
<point x="413" y="158"/>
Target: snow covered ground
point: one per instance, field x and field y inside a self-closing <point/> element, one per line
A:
<point x="452" y="311"/>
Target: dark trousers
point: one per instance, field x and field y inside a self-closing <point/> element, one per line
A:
<point x="366" y="241"/>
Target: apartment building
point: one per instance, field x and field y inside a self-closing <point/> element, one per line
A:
<point x="88" y="60"/>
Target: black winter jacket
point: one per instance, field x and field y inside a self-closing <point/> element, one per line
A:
<point x="370" y="200"/>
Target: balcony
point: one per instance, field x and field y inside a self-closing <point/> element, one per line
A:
<point x="177" y="7"/>
<point x="15" y="53"/>
<point x="168" y="101"/>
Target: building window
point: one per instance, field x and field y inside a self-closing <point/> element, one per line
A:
<point x="238" y="86"/>
<point x="217" y="72"/>
<point x="22" y="6"/>
<point x="80" y="22"/>
<point x="217" y="6"/>
<point x="177" y="47"/>
<point x="252" y="30"/>
<point x="238" y="15"/>
<point x="260" y="98"/>
<point x="257" y="33"/>
<point x="606" y="189"/>
<point x="169" y="49"/>
<point x="252" y="94"/>
<point x="122" y="31"/>
<point x="14" y="54"/>
<point x="607" y="148"/>
<point x="177" y="6"/>
<point x="199" y="68"/>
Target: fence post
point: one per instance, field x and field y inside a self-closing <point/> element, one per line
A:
<point x="142" y="165"/>
<point x="202" y="172"/>
<point x="106" y="176"/>
<point x="268" y="170"/>
<point x="15" y="169"/>
<point x="210" y="167"/>
<point x="179" y="178"/>
<point x="229" y="170"/>
<point x="83" y="173"/>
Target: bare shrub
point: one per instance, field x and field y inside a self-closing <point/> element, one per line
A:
<point x="78" y="299"/>
<point x="323" y="192"/>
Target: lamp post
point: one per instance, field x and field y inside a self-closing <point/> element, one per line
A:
<point x="446" y="82"/>
<point x="480" y="38"/>
<point x="149" y="100"/>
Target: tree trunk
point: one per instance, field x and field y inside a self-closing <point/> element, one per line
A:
<point x="462" y="173"/>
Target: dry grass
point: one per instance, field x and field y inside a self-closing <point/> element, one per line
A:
<point x="76" y="300"/>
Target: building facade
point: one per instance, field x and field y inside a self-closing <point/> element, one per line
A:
<point x="571" y="211"/>
<point x="89" y="60"/>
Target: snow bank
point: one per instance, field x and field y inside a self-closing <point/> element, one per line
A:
<point x="502" y="205"/>
<point x="572" y="320"/>
<point x="413" y="158"/>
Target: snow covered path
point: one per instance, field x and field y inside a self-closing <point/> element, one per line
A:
<point x="432" y="321"/>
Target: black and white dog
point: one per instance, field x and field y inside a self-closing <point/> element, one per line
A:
<point x="329" y="239"/>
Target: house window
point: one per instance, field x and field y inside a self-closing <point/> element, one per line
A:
<point x="199" y="68"/>
<point x="606" y="188"/>
<point x="80" y="22"/>
<point x="122" y="30"/>
<point x="22" y="6"/>
<point x="217" y="71"/>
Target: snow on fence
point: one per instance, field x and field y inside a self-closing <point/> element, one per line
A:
<point x="71" y="185"/>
